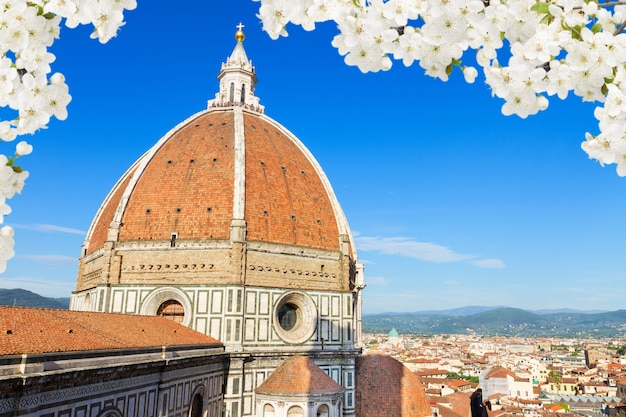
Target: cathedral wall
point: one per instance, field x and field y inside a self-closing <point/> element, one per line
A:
<point x="179" y="266"/>
<point x="142" y="389"/>
<point x="92" y="269"/>
<point x="235" y="315"/>
<point x="287" y="271"/>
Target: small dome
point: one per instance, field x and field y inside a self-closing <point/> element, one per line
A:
<point x="386" y="388"/>
<point x="393" y="333"/>
<point x="299" y="375"/>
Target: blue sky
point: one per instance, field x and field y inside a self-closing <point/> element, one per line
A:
<point x="451" y="203"/>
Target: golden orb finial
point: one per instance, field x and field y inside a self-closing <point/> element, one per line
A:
<point x="239" y="35"/>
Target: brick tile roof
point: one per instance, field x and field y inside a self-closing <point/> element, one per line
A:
<point x="188" y="187"/>
<point x="457" y="404"/>
<point x="501" y="372"/>
<point x="386" y="388"/>
<point x="34" y="330"/>
<point x="296" y="376"/>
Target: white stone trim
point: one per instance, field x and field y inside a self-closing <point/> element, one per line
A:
<point x="151" y="303"/>
<point x="239" y="193"/>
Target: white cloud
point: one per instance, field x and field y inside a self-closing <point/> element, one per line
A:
<point x="49" y="228"/>
<point x="49" y="259"/>
<point x="382" y="281"/>
<point x="424" y="251"/>
<point x="491" y="263"/>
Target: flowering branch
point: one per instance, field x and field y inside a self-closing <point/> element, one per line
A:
<point x="27" y="30"/>
<point x="529" y="50"/>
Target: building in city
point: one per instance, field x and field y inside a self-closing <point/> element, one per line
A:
<point x="59" y="363"/>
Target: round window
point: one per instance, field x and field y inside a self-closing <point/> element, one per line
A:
<point x="295" y="317"/>
<point x="288" y="316"/>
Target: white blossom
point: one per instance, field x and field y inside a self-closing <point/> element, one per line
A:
<point x="554" y="48"/>
<point x="23" y="149"/>
<point x="27" y="30"/>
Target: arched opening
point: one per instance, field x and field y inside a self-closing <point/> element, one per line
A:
<point x="87" y="302"/>
<point x="197" y="406"/>
<point x="173" y="310"/>
<point x="110" y="412"/>
<point x="243" y="93"/>
<point x="322" y="411"/>
<point x="231" y="96"/>
<point x="295" y="411"/>
<point x="268" y="410"/>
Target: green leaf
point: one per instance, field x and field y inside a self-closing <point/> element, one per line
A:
<point x="17" y="169"/>
<point x="596" y="28"/>
<point x="10" y="161"/>
<point x="576" y="32"/>
<point x="540" y="7"/>
<point x="605" y="89"/>
<point x="456" y="62"/>
<point x="547" y="19"/>
<point x="449" y="69"/>
<point x="39" y="8"/>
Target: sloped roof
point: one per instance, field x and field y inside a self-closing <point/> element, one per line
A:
<point x="299" y="375"/>
<point x="457" y="404"/>
<point x="386" y="388"/>
<point x="501" y="372"/>
<point x="36" y="330"/>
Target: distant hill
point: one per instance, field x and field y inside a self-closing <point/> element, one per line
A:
<point x="459" y="311"/>
<point x="24" y="298"/>
<point x="502" y="321"/>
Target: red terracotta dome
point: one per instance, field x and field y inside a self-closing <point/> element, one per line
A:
<point x="386" y="388"/>
<point x="186" y="184"/>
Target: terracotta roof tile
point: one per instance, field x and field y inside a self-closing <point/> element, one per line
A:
<point x="501" y="372"/>
<point x="187" y="187"/>
<point x="34" y="330"/>
<point x="296" y="376"/>
<point x="386" y="388"/>
<point x="455" y="404"/>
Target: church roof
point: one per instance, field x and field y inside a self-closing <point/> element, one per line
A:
<point x="299" y="375"/>
<point x="387" y="388"/>
<point x="186" y="185"/>
<point x="229" y="162"/>
<point x="35" y="330"/>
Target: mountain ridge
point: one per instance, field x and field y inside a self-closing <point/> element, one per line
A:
<point x="24" y="298"/>
<point x="504" y="321"/>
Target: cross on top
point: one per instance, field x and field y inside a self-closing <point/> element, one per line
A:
<point x="240" y="26"/>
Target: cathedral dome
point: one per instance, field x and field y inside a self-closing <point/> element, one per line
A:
<point x="194" y="181"/>
<point x="228" y="196"/>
